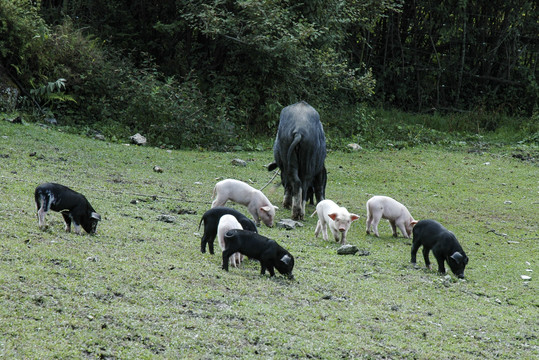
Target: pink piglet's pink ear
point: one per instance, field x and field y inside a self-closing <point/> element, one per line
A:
<point x="354" y="217"/>
<point x="332" y="216"/>
<point x="413" y="223"/>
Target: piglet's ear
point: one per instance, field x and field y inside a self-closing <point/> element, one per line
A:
<point x="265" y="208"/>
<point x="332" y="216"/>
<point x="96" y="216"/>
<point x="413" y="223"/>
<point x="286" y="259"/>
<point x="354" y="217"/>
<point x="457" y="257"/>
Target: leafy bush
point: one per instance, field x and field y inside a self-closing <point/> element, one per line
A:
<point x="21" y="32"/>
<point x="172" y="112"/>
<point x="75" y="79"/>
<point x="250" y="57"/>
<point x="119" y="99"/>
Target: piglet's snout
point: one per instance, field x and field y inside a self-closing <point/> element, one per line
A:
<point x="342" y="228"/>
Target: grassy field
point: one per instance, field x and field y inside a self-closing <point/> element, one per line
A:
<point x="141" y="289"/>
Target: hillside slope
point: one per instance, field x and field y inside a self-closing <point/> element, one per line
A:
<point x="140" y="288"/>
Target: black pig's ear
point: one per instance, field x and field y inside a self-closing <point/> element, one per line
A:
<point x="457" y="257"/>
<point x="286" y="259"/>
<point x="96" y="216"/>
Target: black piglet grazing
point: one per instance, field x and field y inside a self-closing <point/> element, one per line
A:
<point x="270" y="254"/>
<point x="444" y="245"/>
<point x="211" y="222"/>
<point x="73" y="206"/>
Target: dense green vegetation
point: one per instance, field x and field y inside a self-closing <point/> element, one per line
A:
<point x="141" y="289"/>
<point x="214" y="74"/>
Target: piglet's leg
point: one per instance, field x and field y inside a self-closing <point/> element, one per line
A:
<point x="375" y="222"/>
<point x="324" y="230"/>
<point x="426" y="256"/>
<point x="262" y="268"/>
<point x="210" y="246"/>
<point x="234" y="259"/>
<point x="226" y="256"/>
<point x="238" y="257"/>
<point x="41" y="218"/>
<point x="42" y="204"/>
<point x="394" y="228"/>
<point x="337" y="235"/>
<point x="220" y="200"/>
<point x="67" y="220"/>
<point x="415" y="247"/>
<point x="369" y="222"/>
<point x="256" y="219"/>
<point x="441" y="267"/>
<point x="318" y="228"/>
<point x="402" y="228"/>
<point x="343" y="238"/>
<point x="203" y="240"/>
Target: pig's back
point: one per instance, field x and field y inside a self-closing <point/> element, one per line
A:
<point x="429" y="231"/>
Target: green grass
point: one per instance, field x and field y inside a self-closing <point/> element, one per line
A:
<point x="141" y="289"/>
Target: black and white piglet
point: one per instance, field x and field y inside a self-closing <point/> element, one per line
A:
<point x="444" y="245"/>
<point x="211" y="222"/>
<point x="73" y="206"/>
<point x="268" y="252"/>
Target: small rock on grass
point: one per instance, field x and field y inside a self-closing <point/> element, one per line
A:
<point x="347" y="250"/>
<point x="238" y="162"/>
<point x="351" y="250"/>
<point x="289" y="224"/>
<point x="138" y="139"/>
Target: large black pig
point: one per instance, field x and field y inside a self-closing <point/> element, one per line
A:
<point x="300" y="151"/>
<point x="444" y="245"/>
